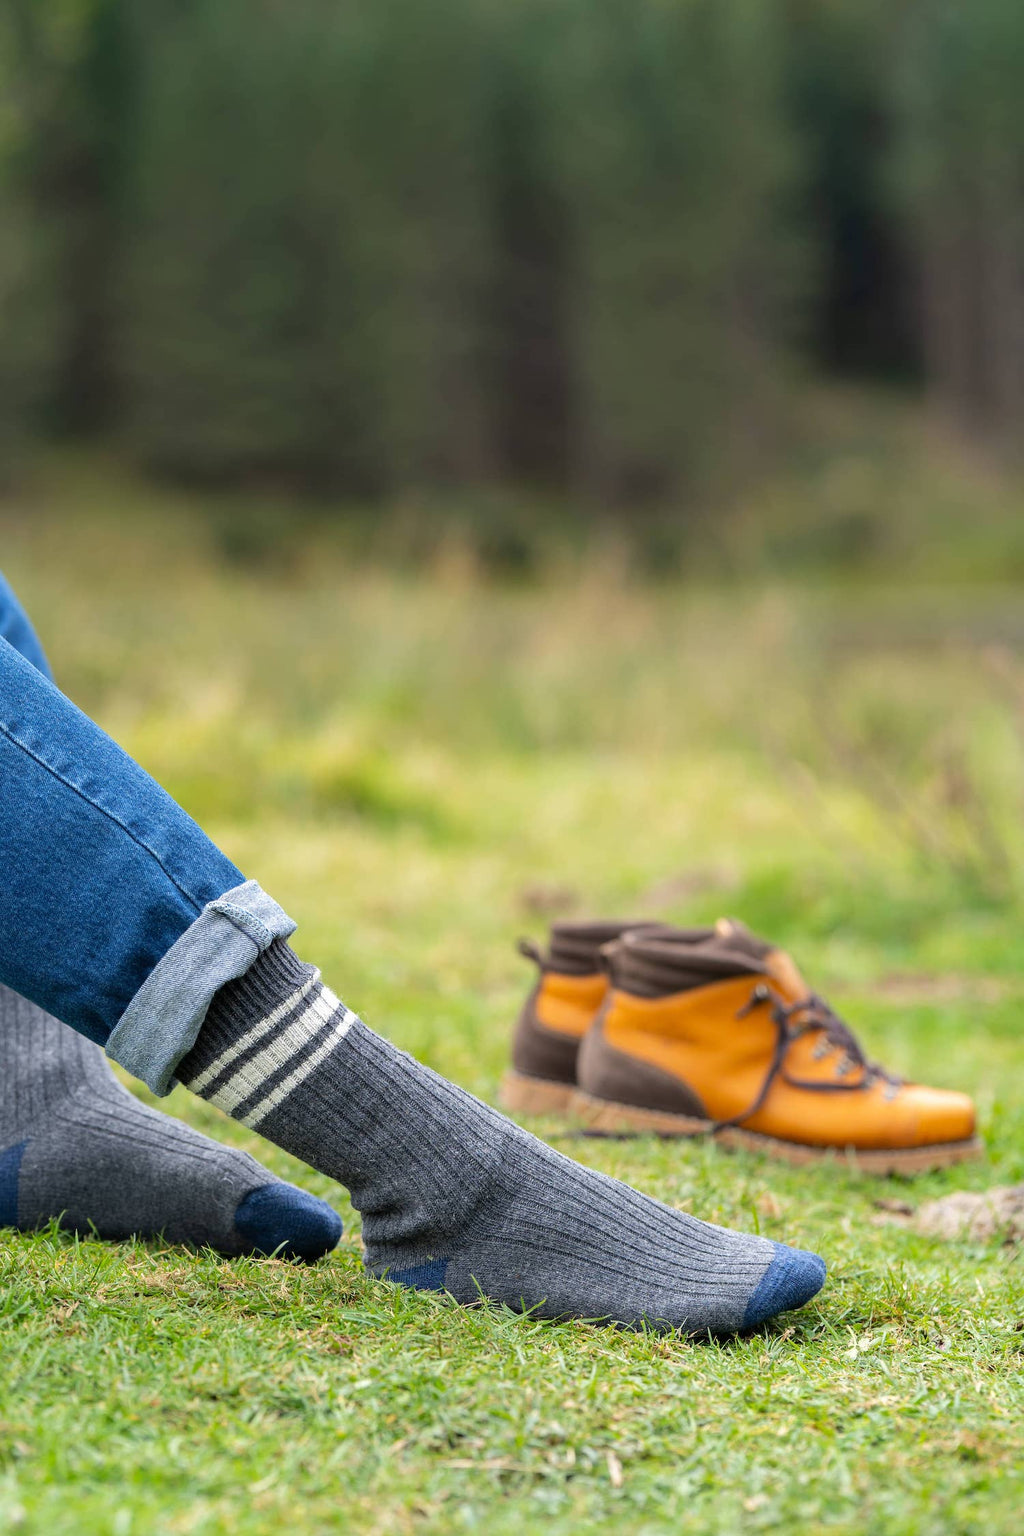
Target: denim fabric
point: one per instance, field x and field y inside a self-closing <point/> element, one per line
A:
<point x="101" y="876"/>
<point x="15" y="628"/>
<point x="163" y="1019"/>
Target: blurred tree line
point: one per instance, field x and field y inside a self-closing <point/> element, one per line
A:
<point x="377" y="247"/>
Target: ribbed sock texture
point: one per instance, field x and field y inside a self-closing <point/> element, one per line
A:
<point x="76" y="1145"/>
<point x="452" y="1194"/>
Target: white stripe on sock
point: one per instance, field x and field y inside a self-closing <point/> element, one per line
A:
<point x="252" y="1074"/>
<point x="302" y="1071"/>
<point x="258" y="1030"/>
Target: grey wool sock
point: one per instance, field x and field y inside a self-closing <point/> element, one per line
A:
<point x="455" y="1197"/>
<point x="77" y="1146"/>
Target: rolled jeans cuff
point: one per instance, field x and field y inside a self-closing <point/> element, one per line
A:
<point x="163" y="1019"/>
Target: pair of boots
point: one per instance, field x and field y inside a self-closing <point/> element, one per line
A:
<point x="637" y="1027"/>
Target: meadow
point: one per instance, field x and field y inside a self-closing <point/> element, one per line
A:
<point x="422" y="762"/>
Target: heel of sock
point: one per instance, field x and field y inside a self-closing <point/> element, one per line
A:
<point x="421" y="1277"/>
<point x="10" y="1174"/>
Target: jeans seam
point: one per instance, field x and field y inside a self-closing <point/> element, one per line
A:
<point x="47" y="768"/>
<point x="244" y="921"/>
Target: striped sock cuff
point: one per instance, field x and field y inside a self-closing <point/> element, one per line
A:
<point x="263" y="1036"/>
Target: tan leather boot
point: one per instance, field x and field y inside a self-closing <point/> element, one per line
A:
<point x="561" y="1007"/>
<point x="724" y="1036"/>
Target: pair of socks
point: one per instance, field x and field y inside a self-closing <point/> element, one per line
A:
<point x="453" y="1196"/>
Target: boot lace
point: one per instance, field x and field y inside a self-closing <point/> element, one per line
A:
<point x="792" y="1020"/>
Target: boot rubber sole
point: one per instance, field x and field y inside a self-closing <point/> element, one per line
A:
<point x="522" y="1095"/>
<point x="605" y="1117"/>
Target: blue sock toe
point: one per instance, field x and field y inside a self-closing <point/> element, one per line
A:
<point x="283" y="1220"/>
<point x="792" y="1278"/>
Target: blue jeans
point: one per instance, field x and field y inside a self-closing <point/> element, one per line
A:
<point x="117" y="913"/>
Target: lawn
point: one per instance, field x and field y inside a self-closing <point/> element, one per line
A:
<point x="421" y="765"/>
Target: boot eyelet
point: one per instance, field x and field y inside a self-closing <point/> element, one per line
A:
<point x="760" y="994"/>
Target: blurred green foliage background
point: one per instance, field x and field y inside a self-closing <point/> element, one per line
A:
<point x="580" y="256"/>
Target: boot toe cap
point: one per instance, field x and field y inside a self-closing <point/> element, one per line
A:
<point x="941" y="1115"/>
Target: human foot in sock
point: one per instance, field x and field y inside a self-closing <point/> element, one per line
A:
<point x="455" y="1197"/>
<point x="76" y="1145"/>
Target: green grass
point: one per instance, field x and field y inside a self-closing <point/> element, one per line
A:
<point x="421" y="767"/>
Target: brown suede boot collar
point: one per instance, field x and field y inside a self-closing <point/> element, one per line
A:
<point x="575" y="948"/>
<point x="656" y="965"/>
<point x="654" y="959"/>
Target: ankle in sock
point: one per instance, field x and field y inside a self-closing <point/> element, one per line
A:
<point x="77" y="1146"/>
<point x="455" y="1197"/>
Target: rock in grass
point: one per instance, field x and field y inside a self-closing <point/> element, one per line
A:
<point x="976" y="1216"/>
